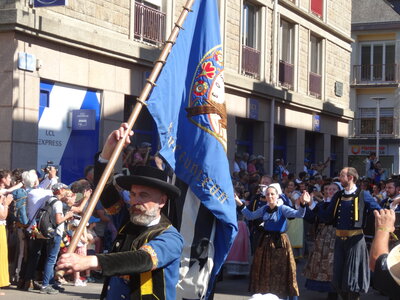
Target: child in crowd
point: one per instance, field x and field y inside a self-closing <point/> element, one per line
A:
<point x="91" y="245"/>
<point x="80" y="249"/>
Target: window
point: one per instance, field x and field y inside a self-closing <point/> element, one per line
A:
<point x="368" y="121"/>
<point x="244" y="135"/>
<point x="149" y="22"/>
<point x="310" y="145"/>
<point x="280" y="143"/>
<point x="249" y="19"/>
<point x="287" y="42"/>
<point x="315" y="76"/>
<point x="44" y="100"/>
<point x="286" y="56"/>
<point x="317" y="7"/>
<point x="250" y="53"/>
<point x="377" y="62"/>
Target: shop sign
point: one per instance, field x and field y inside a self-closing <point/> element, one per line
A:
<point x="43" y="3"/>
<point x="84" y="119"/>
<point x="316" y="123"/>
<point x="26" y="61"/>
<point x="365" y="150"/>
<point x="253" y="109"/>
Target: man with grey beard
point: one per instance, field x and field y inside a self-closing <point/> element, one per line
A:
<point x="144" y="261"/>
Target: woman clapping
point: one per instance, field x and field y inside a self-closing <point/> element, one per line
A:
<point x="274" y="268"/>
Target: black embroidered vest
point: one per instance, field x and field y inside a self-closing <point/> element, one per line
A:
<point x="149" y="285"/>
<point x="359" y="207"/>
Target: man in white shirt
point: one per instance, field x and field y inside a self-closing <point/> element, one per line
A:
<point x="36" y="199"/>
<point x="50" y="178"/>
<point x="62" y="194"/>
<point x="36" y="196"/>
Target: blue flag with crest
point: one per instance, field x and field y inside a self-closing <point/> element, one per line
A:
<point x="188" y="106"/>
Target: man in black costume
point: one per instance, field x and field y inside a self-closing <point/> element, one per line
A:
<point x="144" y="261"/>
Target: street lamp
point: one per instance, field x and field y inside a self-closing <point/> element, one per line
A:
<point x="378" y="115"/>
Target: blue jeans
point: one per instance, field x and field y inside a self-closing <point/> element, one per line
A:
<point x="53" y="247"/>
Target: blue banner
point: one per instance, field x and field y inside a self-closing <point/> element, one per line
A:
<point x="188" y="106"/>
<point x="43" y="3"/>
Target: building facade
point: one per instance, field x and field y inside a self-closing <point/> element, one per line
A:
<point x="375" y="84"/>
<point x="70" y="74"/>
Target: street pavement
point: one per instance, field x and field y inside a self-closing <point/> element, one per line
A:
<point x="230" y="288"/>
<point x="235" y="288"/>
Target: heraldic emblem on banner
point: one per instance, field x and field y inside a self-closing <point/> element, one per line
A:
<point x="207" y="108"/>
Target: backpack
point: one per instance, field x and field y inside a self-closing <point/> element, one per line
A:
<point x="44" y="221"/>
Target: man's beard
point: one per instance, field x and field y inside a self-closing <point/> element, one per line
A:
<point x="144" y="218"/>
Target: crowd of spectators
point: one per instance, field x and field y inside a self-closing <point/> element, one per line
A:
<point x="27" y="258"/>
<point x="306" y="237"/>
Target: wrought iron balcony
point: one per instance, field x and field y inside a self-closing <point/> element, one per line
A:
<point x="251" y="61"/>
<point x="315" y="84"/>
<point x="149" y="24"/>
<point x="286" y="72"/>
<point x="376" y="74"/>
<point x="366" y="127"/>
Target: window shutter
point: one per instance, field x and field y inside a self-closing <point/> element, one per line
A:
<point x="316" y="7"/>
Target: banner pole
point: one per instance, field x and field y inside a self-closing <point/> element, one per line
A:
<point x="159" y="63"/>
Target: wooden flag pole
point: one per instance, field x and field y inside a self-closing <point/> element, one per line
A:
<point x="159" y="63"/>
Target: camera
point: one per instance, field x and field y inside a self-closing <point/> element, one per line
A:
<point x="46" y="169"/>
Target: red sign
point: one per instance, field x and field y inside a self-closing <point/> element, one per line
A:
<point x="366" y="149"/>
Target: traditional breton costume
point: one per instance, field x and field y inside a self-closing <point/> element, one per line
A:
<point x="295" y="231"/>
<point x="387" y="203"/>
<point x="238" y="260"/>
<point x="255" y="226"/>
<point x="144" y="260"/>
<point x="348" y="212"/>
<point x="319" y="267"/>
<point x="274" y="269"/>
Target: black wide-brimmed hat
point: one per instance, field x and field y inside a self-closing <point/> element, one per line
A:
<point x="151" y="177"/>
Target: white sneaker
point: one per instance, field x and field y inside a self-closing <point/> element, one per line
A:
<point x="79" y="282"/>
<point x="62" y="281"/>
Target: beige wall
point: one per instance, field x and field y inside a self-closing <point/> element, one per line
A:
<point x="269" y="40"/>
<point x="7" y="92"/>
<point x="337" y="69"/>
<point x="339" y="14"/>
<point x="304" y="4"/>
<point x="304" y="54"/>
<point x="232" y="36"/>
